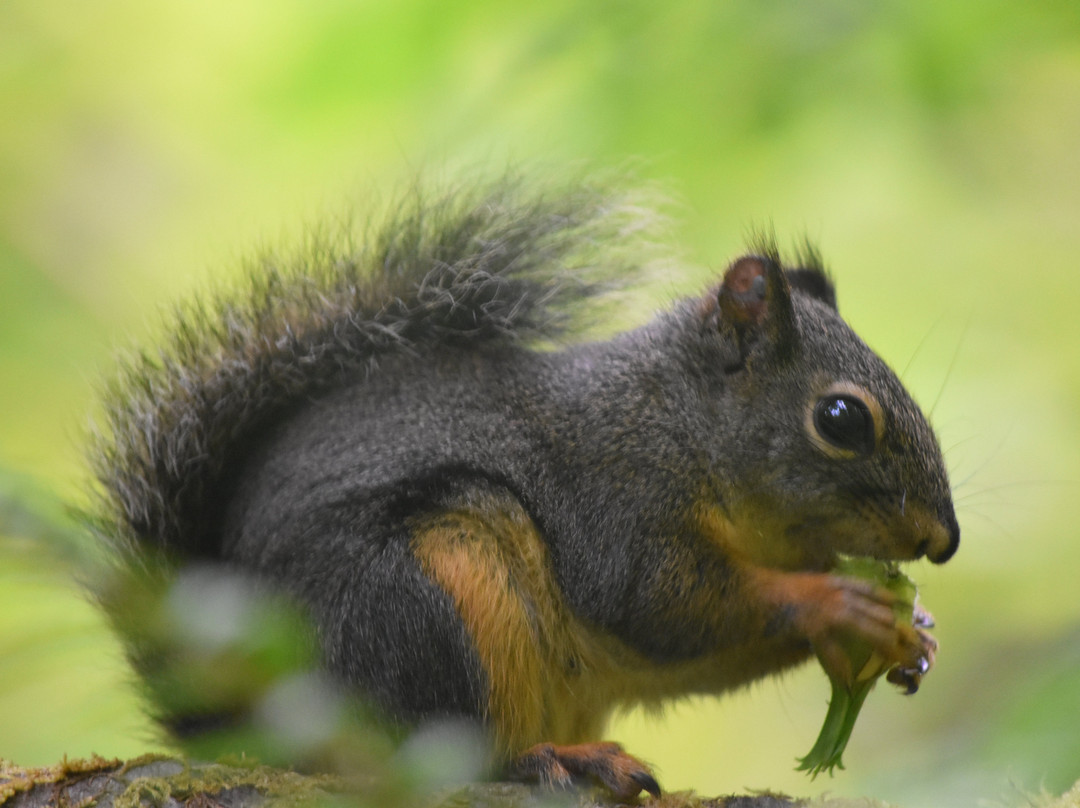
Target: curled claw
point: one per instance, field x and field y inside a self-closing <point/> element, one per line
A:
<point x="922" y="618"/>
<point x="910" y="677"/>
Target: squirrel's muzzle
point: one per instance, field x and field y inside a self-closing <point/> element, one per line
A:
<point x="944" y="538"/>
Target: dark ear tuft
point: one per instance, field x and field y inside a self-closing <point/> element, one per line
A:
<point x="814" y="282"/>
<point x="810" y="275"/>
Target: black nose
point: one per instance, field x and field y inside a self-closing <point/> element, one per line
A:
<point x="952" y="527"/>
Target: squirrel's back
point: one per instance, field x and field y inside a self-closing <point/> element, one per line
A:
<point x="486" y="264"/>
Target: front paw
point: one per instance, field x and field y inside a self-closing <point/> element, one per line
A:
<point x="854" y="629"/>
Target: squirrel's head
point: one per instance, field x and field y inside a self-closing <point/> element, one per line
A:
<point x="831" y="453"/>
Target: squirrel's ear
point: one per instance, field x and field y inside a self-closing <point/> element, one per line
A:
<point x="755" y="303"/>
<point x="814" y="282"/>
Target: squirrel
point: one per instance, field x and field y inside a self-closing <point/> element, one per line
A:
<point x="487" y="517"/>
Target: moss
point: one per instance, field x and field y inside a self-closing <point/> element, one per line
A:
<point x="285" y="788"/>
<point x="160" y="780"/>
<point x="14" y="779"/>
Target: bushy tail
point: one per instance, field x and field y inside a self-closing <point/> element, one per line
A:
<point x="469" y="266"/>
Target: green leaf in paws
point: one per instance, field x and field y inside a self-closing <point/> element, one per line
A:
<point x="846" y="701"/>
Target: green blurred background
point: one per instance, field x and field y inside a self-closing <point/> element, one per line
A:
<point x="931" y="148"/>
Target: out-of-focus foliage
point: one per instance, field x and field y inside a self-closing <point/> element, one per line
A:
<point x="929" y="147"/>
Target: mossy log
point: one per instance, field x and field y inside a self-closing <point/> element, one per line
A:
<point x="155" y="781"/>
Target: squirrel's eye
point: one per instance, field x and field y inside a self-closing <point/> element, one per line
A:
<point x="846" y="423"/>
